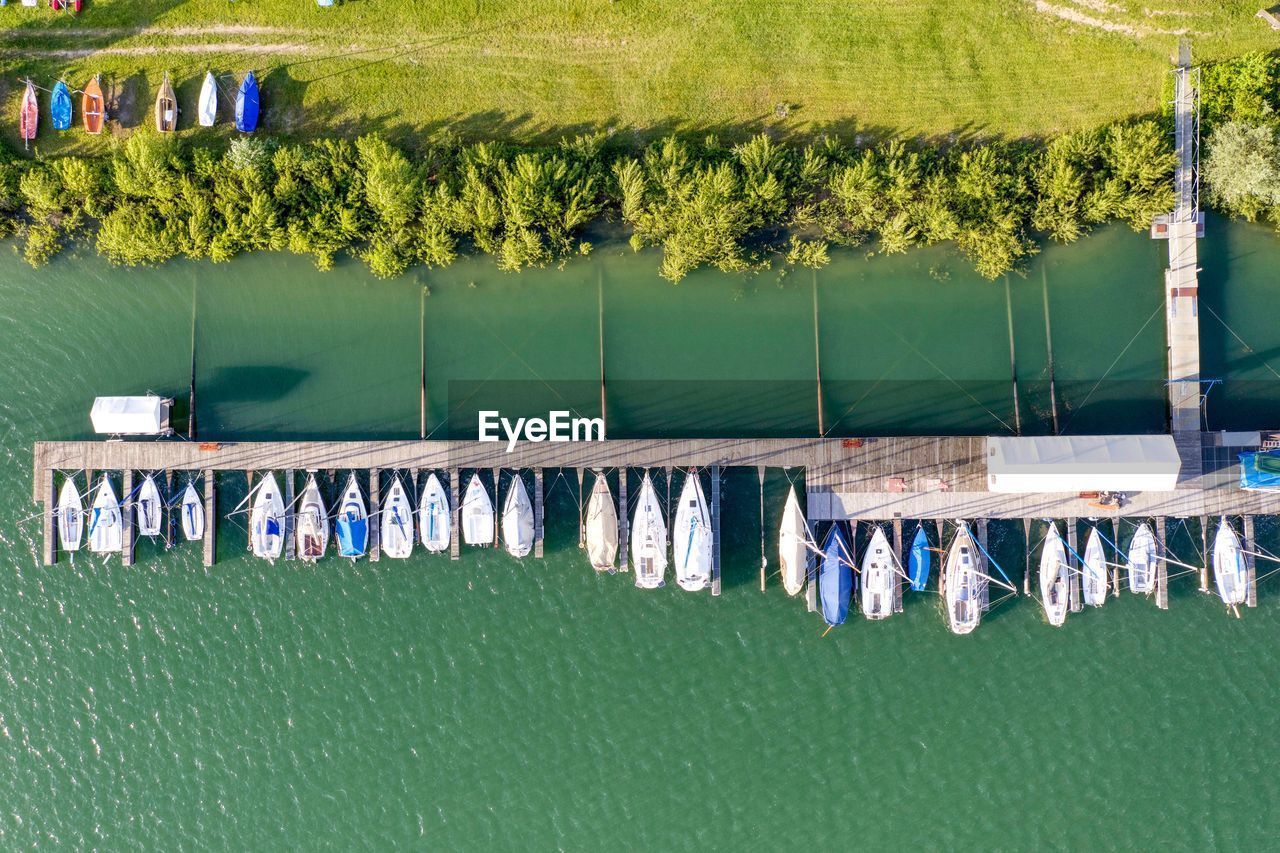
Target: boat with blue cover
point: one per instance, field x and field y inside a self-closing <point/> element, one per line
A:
<point x="921" y="560"/>
<point x="247" y="104"/>
<point x="835" y="577"/>
<point x="352" y="527"/>
<point x="60" y="106"/>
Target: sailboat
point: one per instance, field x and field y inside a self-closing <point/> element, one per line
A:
<point x="106" y="526"/>
<point x="70" y="516"/>
<point x="602" y="527"/>
<point x="433" y="516"/>
<point x="397" y="521"/>
<point x="166" y="107"/>
<point x="963" y="583"/>
<point x="691" y="536"/>
<point x="920" y="561"/>
<point x="28" y="115"/>
<point x="207" y="106"/>
<point x="1054" y="577"/>
<point x="192" y="513"/>
<point x="1142" y="561"/>
<point x="312" y="520"/>
<point x="517" y="519"/>
<point x="1230" y="574"/>
<point x="247" y="104"/>
<point x="477" y="514"/>
<point x="1094" y="571"/>
<point x="649" y="538"/>
<point x="793" y="546"/>
<point x="835" y="577"/>
<point x="266" y="520"/>
<point x="60" y="106"/>
<point x="352" y="525"/>
<point x="147" y="507"/>
<point x="878" y="578"/>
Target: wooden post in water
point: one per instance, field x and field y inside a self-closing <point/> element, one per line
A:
<point x="764" y="562"/>
<point x="290" y="515"/>
<point x="167" y="507"/>
<point x="1073" y="576"/>
<point x="715" y="529"/>
<point x="582" y="524"/>
<point x="455" y="514"/>
<point x="210" y="518"/>
<point x="1026" y="570"/>
<point x="1162" y="567"/>
<point x="375" y="517"/>
<point x="49" y="553"/>
<point x="126" y="516"/>
<point x="624" y="556"/>
<point x="984" y="585"/>
<point x="902" y="563"/>
<point x="248" y="539"/>
<point x="537" y="512"/>
<point x="1251" y="595"/>
<point x="817" y="358"/>
<point x="497" y="503"/>
<point x="1204" y="549"/>
<point x="191" y="401"/>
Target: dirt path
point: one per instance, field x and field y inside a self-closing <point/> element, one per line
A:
<point x="1075" y="16"/>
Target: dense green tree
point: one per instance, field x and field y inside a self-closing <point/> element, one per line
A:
<point x="1242" y="169"/>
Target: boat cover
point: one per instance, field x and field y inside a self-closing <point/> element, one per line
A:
<point x="921" y="560"/>
<point x="130" y="415"/>
<point x="352" y="535"/>
<point x="247" y="105"/>
<point x="1254" y="473"/>
<point x="60" y="106"/>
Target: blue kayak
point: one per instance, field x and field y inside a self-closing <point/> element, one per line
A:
<point x="835" y="577"/>
<point x="247" y="105"/>
<point x="921" y="560"/>
<point x="60" y="106"/>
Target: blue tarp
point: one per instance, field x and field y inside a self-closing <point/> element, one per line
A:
<point x="921" y="560"/>
<point x="247" y="105"/>
<point x="353" y="534"/>
<point x="835" y="577"/>
<point x="60" y="106"/>
<point x="1255" y="480"/>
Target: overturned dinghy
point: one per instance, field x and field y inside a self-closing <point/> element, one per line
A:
<point x="1141" y="563"/>
<point x="649" y="538"/>
<point x="207" y="106"/>
<point x="106" y="526"/>
<point x="691" y="536"/>
<point x="878" y="578"/>
<point x="517" y="519"/>
<point x="1094" y="571"/>
<point x="70" y="516"/>
<point x="1054" y="577"/>
<point x="793" y="546"/>
<point x="835" y="577"/>
<point x="266" y="521"/>
<point x="433" y="516"/>
<point x="477" y="514"/>
<point x="352" y="526"/>
<point x="963" y="582"/>
<point x="602" y="527"/>
<point x="147" y="507"/>
<point x="397" y="522"/>
<point x="1230" y="574"/>
<point x="192" y="513"/>
<point x="312" y="522"/>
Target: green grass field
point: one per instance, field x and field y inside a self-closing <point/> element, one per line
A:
<point x="535" y="69"/>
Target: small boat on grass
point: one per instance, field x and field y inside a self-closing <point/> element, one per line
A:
<point x="397" y="521"/>
<point x="60" y="106"/>
<point x="247" y="104"/>
<point x="70" y="516"/>
<point x="602" y="527"/>
<point x="93" y="111"/>
<point x="920" y="561"/>
<point x="835" y="577"/>
<point x="266" y="519"/>
<point x="794" y="546"/>
<point x="106" y="525"/>
<point x="691" y="536"/>
<point x="477" y="514"/>
<point x="433" y="516"/>
<point x="517" y="519"/>
<point x="878" y="578"/>
<point x="1094" y="571"/>
<point x="1141" y="563"/>
<point x="962" y="583"/>
<point x="352" y="526"/>
<point x="29" y="114"/>
<point x="166" y="107"/>
<point x="1054" y="577"/>
<point x="192" y="513"/>
<point x="147" y="507"/>
<point x="207" y="106"/>
<point x="1230" y="573"/>
<point x="649" y="538"/>
<point x="312" y="520"/>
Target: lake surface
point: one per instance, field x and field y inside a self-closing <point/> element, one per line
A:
<point x="495" y="704"/>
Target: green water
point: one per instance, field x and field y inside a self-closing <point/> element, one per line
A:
<point x="494" y="704"/>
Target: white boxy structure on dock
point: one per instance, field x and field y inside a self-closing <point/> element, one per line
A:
<point x="1110" y="463"/>
<point x="144" y="415"/>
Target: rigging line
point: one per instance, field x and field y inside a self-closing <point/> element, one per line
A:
<point x="1107" y="372"/>
<point x="858" y="402"/>
<point x="1250" y="350"/>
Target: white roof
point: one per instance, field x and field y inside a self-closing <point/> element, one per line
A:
<point x="1082" y="463"/>
<point x="129" y="415"/>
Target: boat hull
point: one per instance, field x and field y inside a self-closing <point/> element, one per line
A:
<point x="433" y="516"/>
<point x="692" y="537"/>
<point x="147" y="508"/>
<point x="962" y="584"/>
<point x="192" y="514"/>
<point x="397" y="522"/>
<point x="70" y="517"/>
<point x="649" y="538"/>
<point x="602" y="527"/>
<point x="835" y="577"/>
<point x="477" y="514"/>
<point x="106" y="525"/>
<point x="352" y="525"/>
<point x="93" y="107"/>
<point x="1230" y="572"/>
<point x="1054" y="580"/>
<point x="266" y="521"/>
<point x="207" y="109"/>
<point x="794" y="556"/>
<point x="1141" y="562"/>
<point x="1093" y="573"/>
<point x="877" y="579"/>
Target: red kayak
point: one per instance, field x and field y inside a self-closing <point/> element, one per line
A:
<point x="30" y="114"/>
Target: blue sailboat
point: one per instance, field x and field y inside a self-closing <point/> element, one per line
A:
<point x="921" y="560"/>
<point x="60" y="106"/>
<point x="247" y="105"/>
<point x="835" y="577"/>
<point x="352" y="526"/>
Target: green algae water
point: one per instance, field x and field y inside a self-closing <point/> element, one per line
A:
<point x="491" y="703"/>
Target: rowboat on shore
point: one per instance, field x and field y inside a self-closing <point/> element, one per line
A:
<point x="691" y="535"/>
<point x="517" y="519"/>
<point x="106" y="526"/>
<point x="312" y="523"/>
<point x="207" y="105"/>
<point x="397" y="521"/>
<point x="961" y="581"/>
<point x="602" y="527"/>
<point x="794" y="554"/>
<point x="649" y="538"/>
<point x="1093" y="571"/>
<point x="433" y="516"/>
<point x="166" y="107"/>
<point x="266" y="520"/>
<point x="878" y="577"/>
<point x="352" y="526"/>
<point x="477" y="514"/>
<point x="93" y="111"/>
<point x="835" y="577"/>
<point x="60" y="106"/>
<point x="920" y="561"/>
<point x="192" y="513"/>
<point x="1141" y="562"/>
<point x="247" y="104"/>
<point x="1230" y="573"/>
<point x="70" y="516"/>
<point x="29" y="114"/>
<point x="147" y="507"/>
<point x="1054" y="577"/>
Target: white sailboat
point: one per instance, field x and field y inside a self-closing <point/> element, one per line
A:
<point x="1230" y="574"/>
<point x="352" y="524"/>
<point x="207" y="106"/>
<point x="1054" y="577"/>
<point x="1141" y="562"/>
<point x="477" y="514"/>
<point x="70" y="516"/>
<point x="878" y="577"/>
<point x="266" y="519"/>
<point x="691" y="536"/>
<point x="192" y="513"/>
<point x="517" y="519"/>
<point x="106" y="526"/>
<point x="794" y="546"/>
<point x="312" y="523"/>
<point x="962" y="582"/>
<point x="1094" y="571"/>
<point x="649" y="538"/>
<point x="147" y="507"/>
<point x="602" y="527"/>
<point x="397" y="521"/>
<point x="433" y="516"/>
